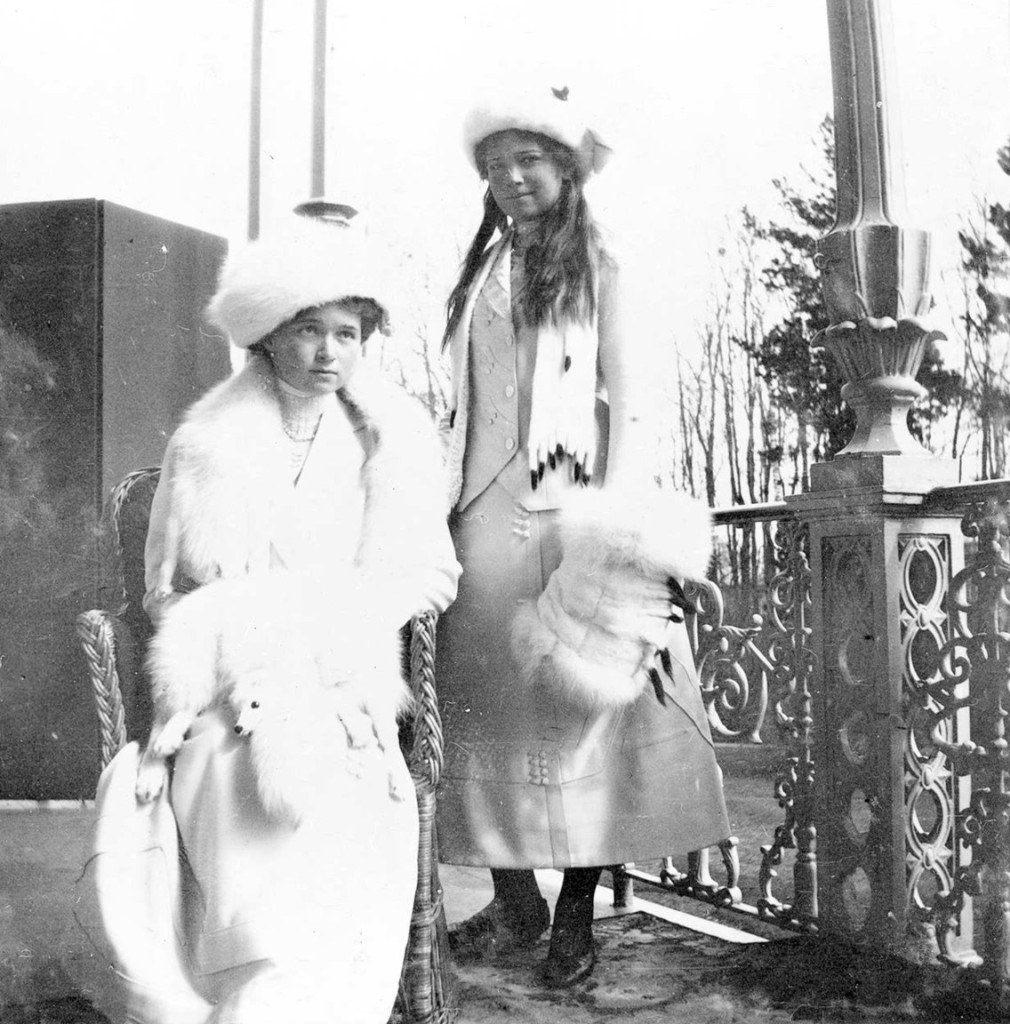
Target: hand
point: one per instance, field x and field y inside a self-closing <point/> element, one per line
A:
<point x="158" y="601"/>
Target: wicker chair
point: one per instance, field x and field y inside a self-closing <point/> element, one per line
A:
<point x="114" y="643"/>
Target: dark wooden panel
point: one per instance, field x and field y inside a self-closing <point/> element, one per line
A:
<point x="96" y="363"/>
<point x="157" y="356"/>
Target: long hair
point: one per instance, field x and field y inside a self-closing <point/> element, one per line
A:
<point x="560" y="261"/>
<point x="493" y="220"/>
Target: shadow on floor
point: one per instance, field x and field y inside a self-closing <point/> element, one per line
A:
<point x="650" y="972"/>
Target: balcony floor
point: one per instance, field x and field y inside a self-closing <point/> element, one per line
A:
<point x="651" y="969"/>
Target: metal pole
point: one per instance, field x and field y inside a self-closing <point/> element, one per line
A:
<point x="871" y="187"/>
<point x="317" y="186"/>
<point x="875" y="267"/>
<point x="255" y="119"/>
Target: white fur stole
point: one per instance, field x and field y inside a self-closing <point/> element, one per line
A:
<point x="228" y="464"/>
<point x="594" y="634"/>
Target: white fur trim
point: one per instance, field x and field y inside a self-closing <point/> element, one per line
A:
<point x="309" y="263"/>
<point x="221" y="501"/>
<point x="540" y="111"/>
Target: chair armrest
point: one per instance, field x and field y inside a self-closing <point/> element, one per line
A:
<point x="425" y="757"/>
<point x="427" y="987"/>
<point x="97" y="637"/>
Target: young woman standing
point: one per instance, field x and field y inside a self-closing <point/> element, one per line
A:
<point x="546" y="386"/>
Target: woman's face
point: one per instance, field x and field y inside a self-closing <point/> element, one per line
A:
<point x="319" y="350"/>
<point x="524" y="178"/>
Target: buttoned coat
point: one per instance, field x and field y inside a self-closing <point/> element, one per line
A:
<point x="532" y="780"/>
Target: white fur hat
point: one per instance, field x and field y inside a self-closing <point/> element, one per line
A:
<point x="546" y="111"/>
<point x="308" y="263"/>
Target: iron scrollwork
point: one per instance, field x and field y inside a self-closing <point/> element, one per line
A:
<point x="973" y="679"/>
<point x="722" y="651"/>
<point x="791" y="658"/>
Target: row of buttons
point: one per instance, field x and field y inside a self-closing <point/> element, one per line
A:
<point x="537" y="767"/>
<point x="510" y="389"/>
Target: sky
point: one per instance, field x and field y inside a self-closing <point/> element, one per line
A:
<point x="146" y="103"/>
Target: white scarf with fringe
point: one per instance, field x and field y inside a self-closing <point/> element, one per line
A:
<point x="563" y="400"/>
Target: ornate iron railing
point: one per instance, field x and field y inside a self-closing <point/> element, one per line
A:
<point x="955" y="685"/>
<point x="964" y="704"/>
<point x="755" y="684"/>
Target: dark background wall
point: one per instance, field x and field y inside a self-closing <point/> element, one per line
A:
<point x="102" y="346"/>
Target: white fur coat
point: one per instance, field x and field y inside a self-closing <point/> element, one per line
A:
<point x="317" y="633"/>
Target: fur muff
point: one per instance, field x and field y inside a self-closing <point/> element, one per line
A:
<point x="303" y="668"/>
<point x="596" y="632"/>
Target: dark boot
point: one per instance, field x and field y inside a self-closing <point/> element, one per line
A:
<point x="514" y="920"/>
<point x="572" y="955"/>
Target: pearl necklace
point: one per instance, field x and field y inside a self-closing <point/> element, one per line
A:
<point x="301" y="413"/>
<point x="302" y="438"/>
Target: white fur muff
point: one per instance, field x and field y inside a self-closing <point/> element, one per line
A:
<point x="300" y="664"/>
<point x="597" y="630"/>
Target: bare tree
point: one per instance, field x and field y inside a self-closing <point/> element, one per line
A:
<point x="985" y="264"/>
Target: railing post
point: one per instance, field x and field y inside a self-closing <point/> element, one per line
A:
<point x="881" y="564"/>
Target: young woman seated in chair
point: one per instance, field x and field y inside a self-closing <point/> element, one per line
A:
<point x="305" y="475"/>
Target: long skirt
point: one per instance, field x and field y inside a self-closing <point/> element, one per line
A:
<point x="246" y="917"/>
<point x="530" y="781"/>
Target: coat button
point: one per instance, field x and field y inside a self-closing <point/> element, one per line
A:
<point x="509" y="390"/>
<point x="510" y="443"/>
<point x="510" y="340"/>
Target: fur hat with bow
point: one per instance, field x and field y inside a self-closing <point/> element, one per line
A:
<point x="544" y="111"/>
<point x="598" y="632"/>
<point x="308" y="263"/>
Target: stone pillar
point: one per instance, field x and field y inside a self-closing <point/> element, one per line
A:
<point x="884" y="799"/>
<point x="881" y="564"/>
